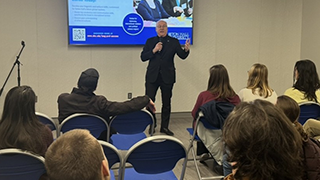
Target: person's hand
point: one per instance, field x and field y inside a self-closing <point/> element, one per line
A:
<point x="233" y="170"/>
<point x="187" y="45"/>
<point x="151" y="106"/>
<point x="177" y="8"/>
<point x="157" y="48"/>
<point x="190" y="10"/>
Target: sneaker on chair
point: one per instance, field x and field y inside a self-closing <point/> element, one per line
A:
<point x="166" y="131"/>
<point x="204" y="157"/>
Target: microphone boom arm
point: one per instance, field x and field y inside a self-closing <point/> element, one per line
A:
<point x="18" y="63"/>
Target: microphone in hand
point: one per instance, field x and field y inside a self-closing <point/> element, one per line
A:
<point x="160" y="40"/>
<point x="22" y="43"/>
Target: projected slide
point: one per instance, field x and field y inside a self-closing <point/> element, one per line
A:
<point x="122" y="22"/>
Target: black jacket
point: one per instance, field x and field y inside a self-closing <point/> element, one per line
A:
<point x="162" y="62"/>
<point x="216" y="112"/>
<point x="84" y="102"/>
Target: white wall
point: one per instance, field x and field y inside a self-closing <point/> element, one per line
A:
<point x="232" y="32"/>
<point x="310" y="40"/>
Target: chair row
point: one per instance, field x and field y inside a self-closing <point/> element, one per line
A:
<point x="130" y="127"/>
<point x="151" y="158"/>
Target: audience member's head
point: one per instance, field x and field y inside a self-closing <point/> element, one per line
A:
<point x="289" y="106"/>
<point x="306" y="79"/>
<point x="219" y="82"/>
<point x="262" y="142"/>
<point x="292" y="110"/>
<point x="258" y="78"/>
<point x="19" y="125"/>
<point x="76" y="155"/>
<point x="88" y="80"/>
<point x="19" y="104"/>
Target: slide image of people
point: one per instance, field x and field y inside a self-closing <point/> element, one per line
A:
<point x="176" y="8"/>
<point x="152" y="10"/>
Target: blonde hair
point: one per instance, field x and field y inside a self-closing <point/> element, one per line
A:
<point x="74" y="155"/>
<point x="258" y="78"/>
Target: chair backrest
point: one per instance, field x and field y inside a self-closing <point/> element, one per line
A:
<point x="309" y="110"/>
<point x="156" y="154"/>
<point x="48" y="121"/>
<point x="16" y="164"/>
<point x="193" y="131"/>
<point x="132" y="123"/>
<point x="113" y="156"/>
<point x="95" y="124"/>
<point x="111" y="153"/>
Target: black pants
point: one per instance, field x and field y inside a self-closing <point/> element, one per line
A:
<point x="201" y="148"/>
<point x="166" y="94"/>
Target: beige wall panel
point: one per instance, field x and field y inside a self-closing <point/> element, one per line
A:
<point x="310" y="41"/>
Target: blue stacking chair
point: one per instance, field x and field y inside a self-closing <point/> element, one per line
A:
<point x="16" y="164"/>
<point x="194" y="138"/>
<point x="309" y="110"/>
<point x="95" y="124"/>
<point x="130" y="128"/>
<point x="154" y="158"/>
<point x="49" y="122"/>
<point x="113" y="157"/>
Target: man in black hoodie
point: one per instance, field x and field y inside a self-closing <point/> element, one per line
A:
<point x="83" y="100"/>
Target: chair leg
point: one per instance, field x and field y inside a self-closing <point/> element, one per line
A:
<point x="191" y="147"/>
<point x="195" y="162"/>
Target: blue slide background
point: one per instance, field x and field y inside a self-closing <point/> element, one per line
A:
<point x="107" y="22"/>
<point x="123" y="38"/>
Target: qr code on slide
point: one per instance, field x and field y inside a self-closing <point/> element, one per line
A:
<point x="79" y="34"/>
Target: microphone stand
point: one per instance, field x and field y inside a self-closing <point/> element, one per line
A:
<point x="17" y="62"/>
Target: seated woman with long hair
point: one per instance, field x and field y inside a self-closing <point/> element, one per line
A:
<point x="219" y="90"/>
<point x="306" y="84"/>
<point x="311" y="150"/>
<point x="19" y="126"/>
<point x="257" y="85"/>
<point x="306" y="87"/>
<point x="262" y="143"/>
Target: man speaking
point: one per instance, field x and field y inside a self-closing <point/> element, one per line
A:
<point x="160" y="51"/>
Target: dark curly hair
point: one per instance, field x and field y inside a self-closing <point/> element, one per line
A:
<point x="263" y="143"/>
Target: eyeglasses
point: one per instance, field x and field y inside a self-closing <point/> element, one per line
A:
<point x="164" y="26"/>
